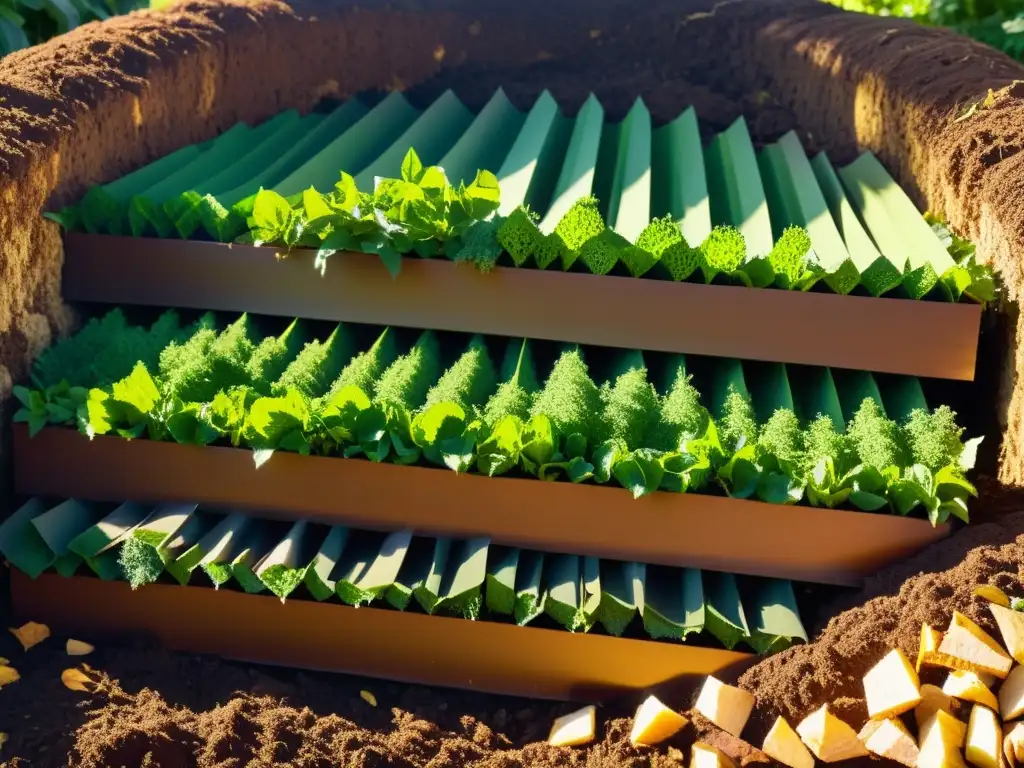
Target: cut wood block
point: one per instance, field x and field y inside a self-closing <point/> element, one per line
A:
<point x="654" y="722"/>
<point x="829" y="738"/>
<point x="967" y="646"/>
<point x="783" y="744"/>
<point x="890" y="739"/>
<point x="970" y="687"/>
<point x="574" y="729"/>
<point x="891" y="687"/>
<point x="705" y="756"/>
<point x="1011" y="627"/>
<point x="726" y="706"/>
<point x="984" y="738"/>
<point x="1011" y="695"/>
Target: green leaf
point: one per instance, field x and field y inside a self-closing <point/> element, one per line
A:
<point x="279" y="422"/>
<point x="439" y="423"/>
<point x="271" y="212"/>
<point x="137" y="391"/>
<point x="412" y="168"/>
<point x="538" y="443"/>
<point x="605" y="457"/>
<point x="500" y="451"/>
<point x="640" y="472"/>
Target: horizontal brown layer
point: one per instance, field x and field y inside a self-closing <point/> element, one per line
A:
<point x="408" y="647"/>
<point x="744" y="537"/>
<point x="917" y="338"/>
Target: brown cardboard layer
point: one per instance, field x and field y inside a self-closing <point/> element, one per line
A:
<point x="700" y="531"/>
<point x="407" y="647"/>
<point x="916" y="338"/>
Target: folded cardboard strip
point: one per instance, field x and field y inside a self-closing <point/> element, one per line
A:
<point x="407" y="647"/>
<point x="801" y="543"/>
<point x="916" y="338"/>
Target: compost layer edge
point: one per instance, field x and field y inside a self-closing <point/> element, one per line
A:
<point x="801" y="543"/>
<point x="916" y="338"/>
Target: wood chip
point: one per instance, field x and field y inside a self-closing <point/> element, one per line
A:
<point x="31" y="634"/>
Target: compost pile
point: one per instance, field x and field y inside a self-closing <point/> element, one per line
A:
<point x="154" y="708"/>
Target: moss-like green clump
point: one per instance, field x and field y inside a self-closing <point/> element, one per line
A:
<point x="105" y="350"/>
<point x="602" y="252"/>
<point x="519" y="383"/>
<point x="208" y="366"/>
<point x="789" y="255"/>
<point x="737" y="420"/>
<point x="364" y="369"/>
<point x="881" y="276"/>
<point x="318" y="365"/>
<point x="934" y="438"/>
<point x="519" y="236"/>
<point x="469" y="381"/>
<point x="581" y="223"/>
<point x="821" y="440"/>
<point x="630" y="404"/>
<point x="724" y="250"/>
<point x="480" y="246"/>
<point x="782" y="438"/>
<point x="569" y="397"/>
<point x="876" y="439"/>
<point x="140" y="562"/>
<point x="662" y="243"/>
<point x="272" y="356"/>
<point x="680" y="414"/>
<point x="183" y="364"/>
<point x="406" y="381"/>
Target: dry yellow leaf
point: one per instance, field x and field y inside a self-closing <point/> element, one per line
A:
<point x="77" y="680"/>
<point x="439" y="54"/>
<point x="31" y="634"/>
<point x="368" y="697"/>
<point x="993" y="594"/>
<point x="3" y="738"/>
<point x="8" y="675"/>
<point x="990" y="100"/>
<point x="79" y="648"/>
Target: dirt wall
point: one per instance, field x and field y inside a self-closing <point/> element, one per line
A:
<point x="91" y="105"/>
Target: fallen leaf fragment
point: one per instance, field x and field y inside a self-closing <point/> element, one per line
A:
<point x="984" y="738"/>
<point x="1013" y="744"/>
<point x="31" y="634"/>
<point x="79" y="648"/>
<point x="368" y="697"/>
<point x="829" y="738"/>
<point x="967" y="646"/>
<point x="783" y="744"/>
<point x="1011" y="627"/>
<point x="3" y="738"/>
<point x="993" y="594"/>
<point x="930" y="639"/>
<point x="890" y="739"/>
<point x="891" y="687"/>
<point x="439" y="53"/>
<point x="705" y="756"/>
<point x="968" y="686"/>
<point x="8" y="675"/>
<point x="595" y="33"/>
<point x="575" y="729"/>
<point x="724" y="705"/>
<point x="76" y="680"/>
<point x="654" y="722"/>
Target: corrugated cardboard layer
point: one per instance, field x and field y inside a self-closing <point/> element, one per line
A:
<point x="408" y="647"/>
<point x="700" y="531"/>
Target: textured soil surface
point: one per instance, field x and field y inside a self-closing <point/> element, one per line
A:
<point x="155" y="708"/>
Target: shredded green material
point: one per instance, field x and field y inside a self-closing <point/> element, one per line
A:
<point x="876" y="438"/>
<point x="406" y="382"/>
<point x="569" y="397"/>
